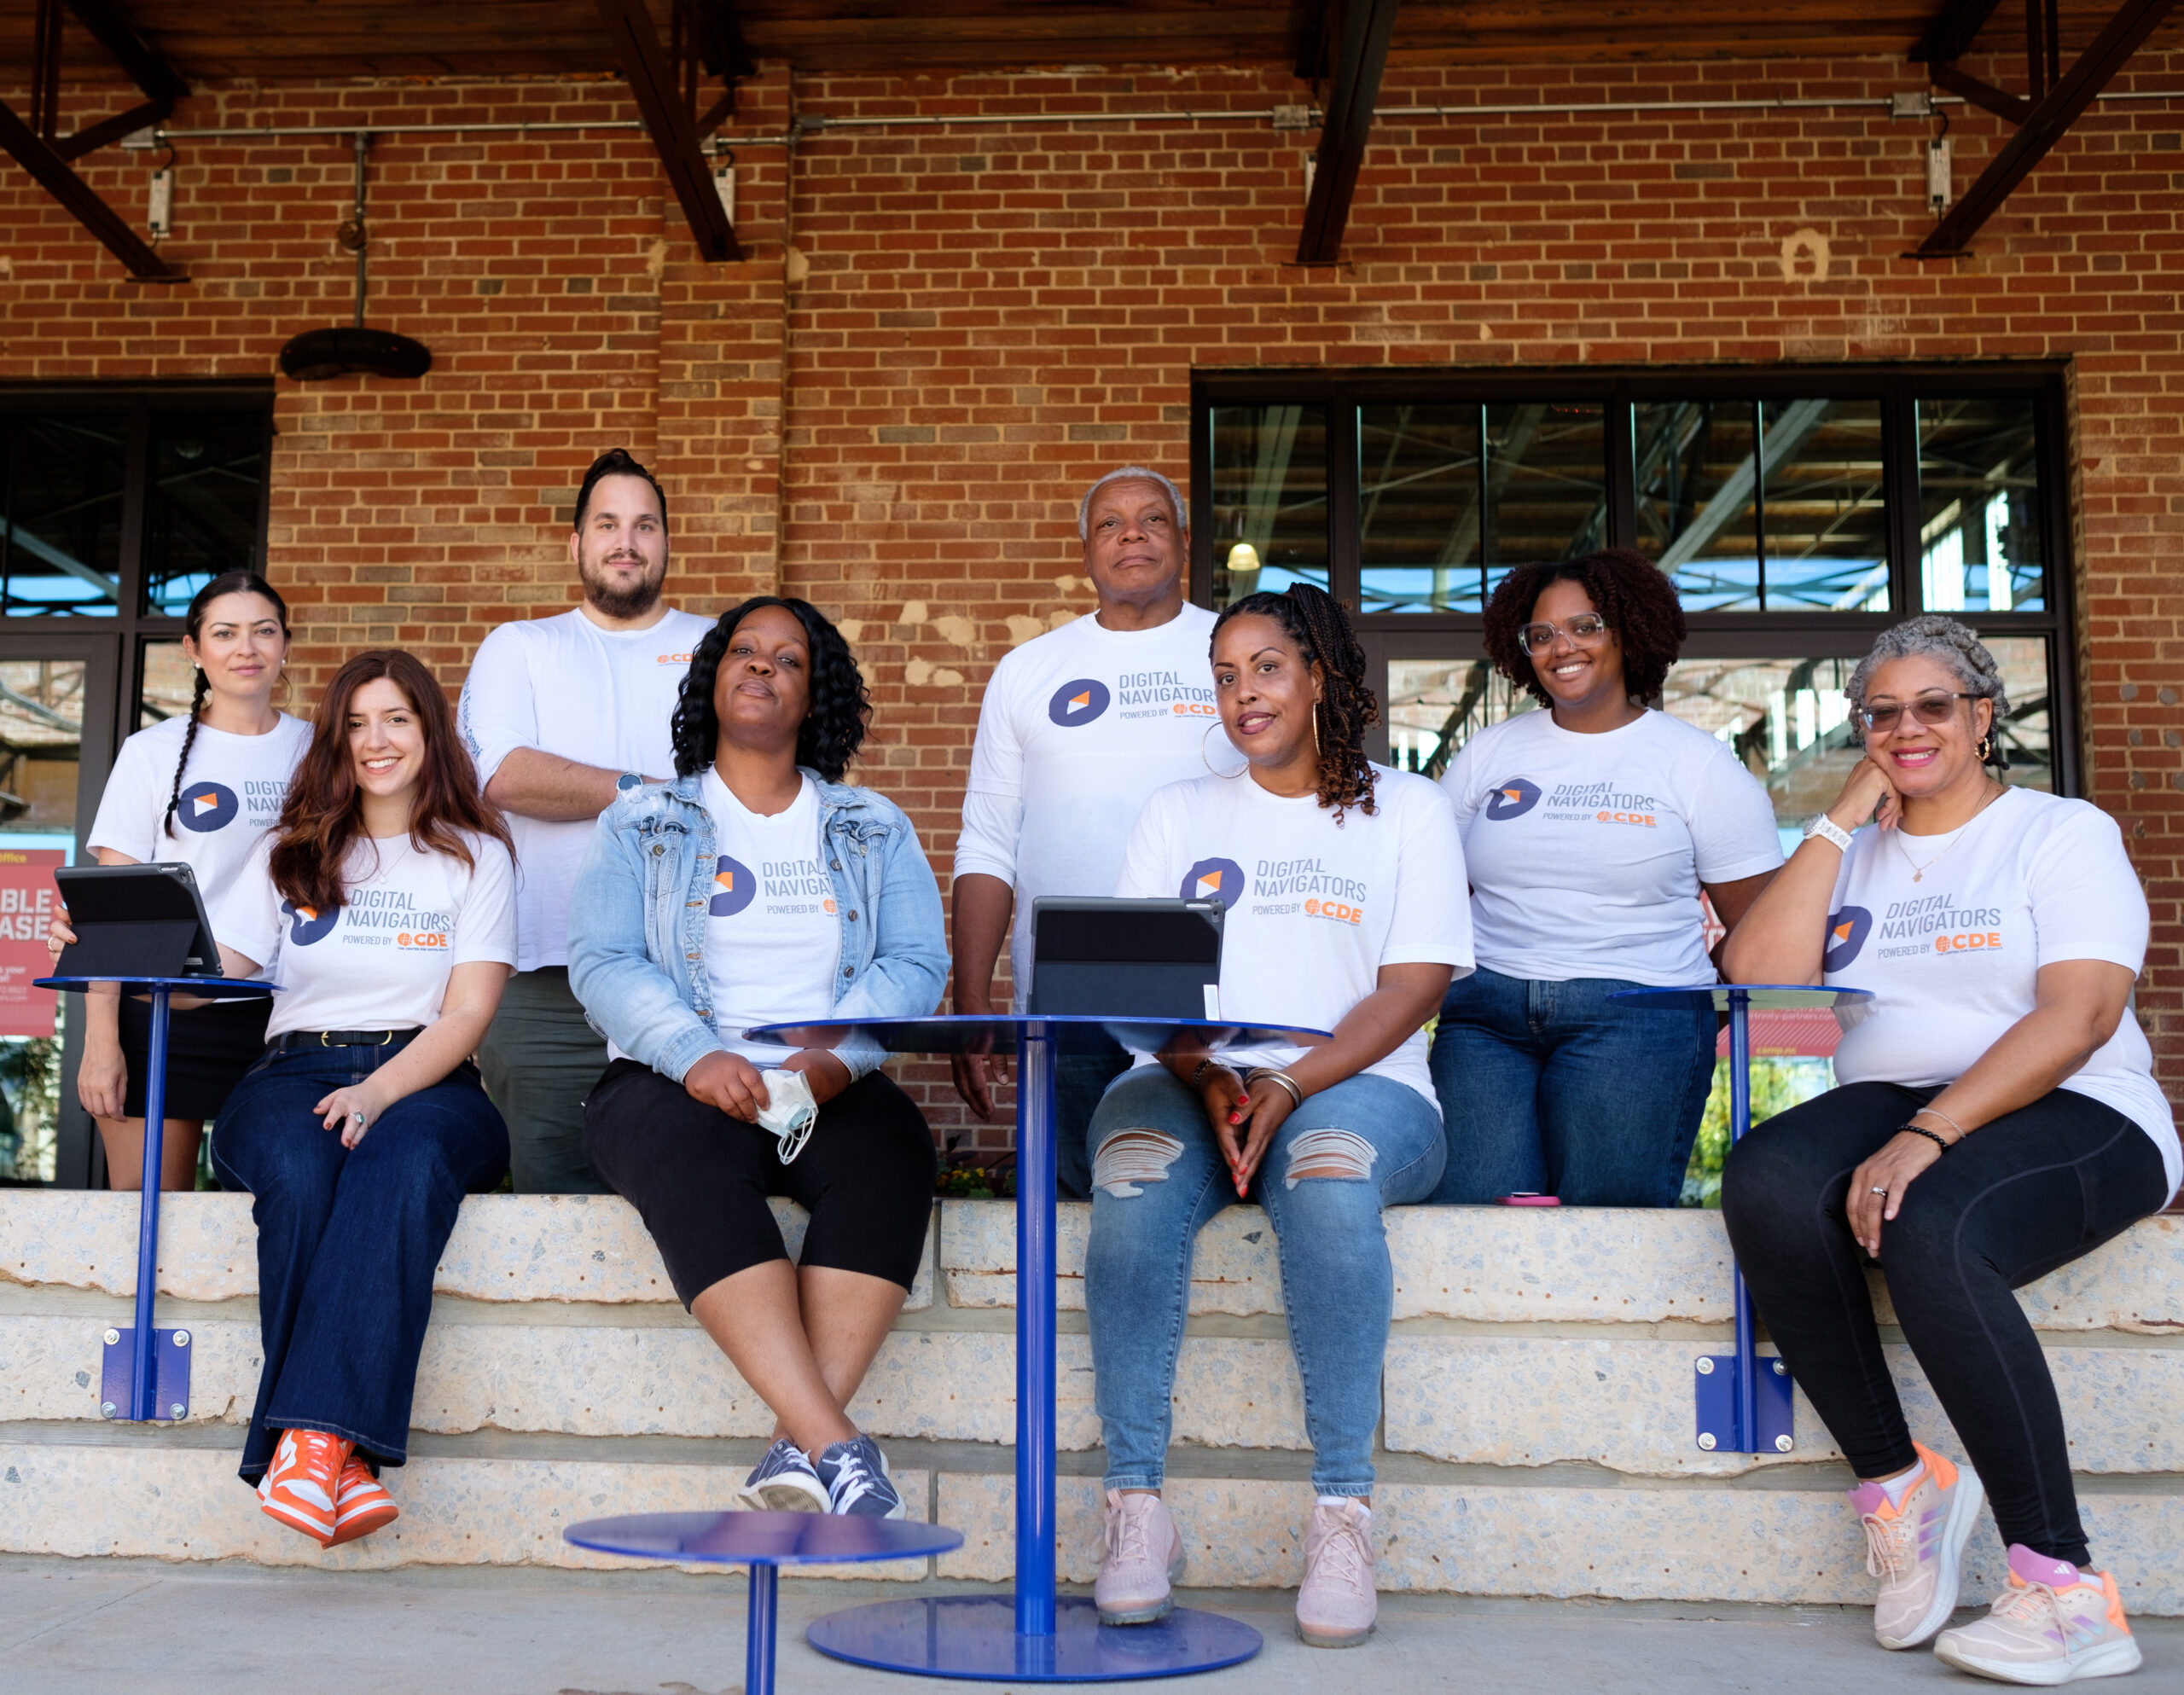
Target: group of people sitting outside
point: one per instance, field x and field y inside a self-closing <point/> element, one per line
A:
<point x="533" y="935"/>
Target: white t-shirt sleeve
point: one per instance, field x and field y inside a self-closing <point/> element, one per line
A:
<point x="1432" y="916"/>
<point x="253" y="909"/>
<point x="992" y="823"/>
<point x="997" y="750"/>
<point x="497" y="714"/>
<point x="130" y="808"/>
<point x="1456" y="782"/>
<point x="1145" y="874"/>
<point x="2086" y="901"/>
<point x="484" y="928"/>
<point x="1732" y="822"/>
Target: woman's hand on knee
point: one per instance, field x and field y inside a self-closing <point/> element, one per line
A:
<point x="730" y="1082"/>
<point x="352" y="1111"/>
<point x="1245" y="1139"/>
<point x="1877" y="1187"/>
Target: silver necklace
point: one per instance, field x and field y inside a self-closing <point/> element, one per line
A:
<point x="1918" y="871"/>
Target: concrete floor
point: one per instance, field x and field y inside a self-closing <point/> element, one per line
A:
<point x="139" y="1625"/>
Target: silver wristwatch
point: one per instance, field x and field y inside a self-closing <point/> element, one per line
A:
<point x="1828" y="831"/>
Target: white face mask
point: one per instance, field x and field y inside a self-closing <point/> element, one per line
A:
<point x="789" y="1112"/>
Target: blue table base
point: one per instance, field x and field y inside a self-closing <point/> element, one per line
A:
<point x="170" y="1399"/>
<point x="975" y="1637"/>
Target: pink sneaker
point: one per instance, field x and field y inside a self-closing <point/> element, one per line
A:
<point x="2053" y="1624"/>
<point x="1336" y="1607"/>
<point x="1915" y="1549"/>
<point x="1142" y="1556"/>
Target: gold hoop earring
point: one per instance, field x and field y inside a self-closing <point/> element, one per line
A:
<point x="1316" y="729"/>
<point x="1225" y="776"/>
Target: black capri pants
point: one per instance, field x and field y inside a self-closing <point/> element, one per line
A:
<point x="2017" y="1198"/>
<point x="700" y="1179"/>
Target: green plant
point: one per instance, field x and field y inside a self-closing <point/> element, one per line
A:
<point x="1777" y="1085"/>
<point x="30" y="1109"/>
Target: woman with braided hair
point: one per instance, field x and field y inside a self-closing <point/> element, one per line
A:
<point x="1344" y="883"/>
<point x="202" y="789"/>
<point x="1590" y="829"/>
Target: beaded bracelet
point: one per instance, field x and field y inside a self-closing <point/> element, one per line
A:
<point x="1930" y="1136"/>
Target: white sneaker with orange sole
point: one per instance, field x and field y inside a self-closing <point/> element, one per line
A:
<point x="2053" y="1624"/>
<point x="1917" y="1549"/>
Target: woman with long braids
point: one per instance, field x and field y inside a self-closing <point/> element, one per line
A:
<point x="383" y="904"/>
<point x="758" y="887"/>
<point x="1345" y="887"/>
<point x="203" y="789"/>
<point x="1590" y="829"/>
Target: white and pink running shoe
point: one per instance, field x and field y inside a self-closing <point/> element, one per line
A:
<point x="1141" y="1558"/>
<point x="1917" y="1549"/>
<point x="2053" y="1624"/>
<point x="1336" y="1606"/>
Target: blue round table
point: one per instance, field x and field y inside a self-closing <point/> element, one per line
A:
<point x="145" y="1372"/>
<point x="764" y="1541"/>
<point x="1037" y="1638"/>
<point x="1742" y="1409"/>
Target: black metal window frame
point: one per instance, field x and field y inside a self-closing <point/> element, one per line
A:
<point x="1898" y="387"/>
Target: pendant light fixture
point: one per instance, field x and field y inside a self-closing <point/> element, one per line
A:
<point x="319" y="354"/>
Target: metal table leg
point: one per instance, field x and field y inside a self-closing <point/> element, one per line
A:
<point x="759" y="1631"/>
<point x="146" y="1374"/>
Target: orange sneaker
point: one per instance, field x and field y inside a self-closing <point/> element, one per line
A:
<point x="361" y="1505"/>
<point x="300" y="1486"/>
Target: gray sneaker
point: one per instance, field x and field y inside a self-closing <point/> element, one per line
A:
<point x="783" y="1481"/>
<point x="856" y="1480"/>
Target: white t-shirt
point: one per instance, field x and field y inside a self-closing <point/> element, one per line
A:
<point x="773" y="941"/>
<point x="599" y="697"/>
<point x="1077" y="730"/>
<point x="381" y="961"/>
<point x="231" y="796"/>
<point x="1952" y="958"/>
<point x="1316" y="907"/>
<point x="1587" y="851"/>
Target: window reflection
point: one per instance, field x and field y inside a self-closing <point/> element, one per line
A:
<point x="1823" y="522"/>
<point x="1270" y="499"/>
<point x="1696" y="468"/>
<point x="205" y="490"/>
<point x="63" y="478"/>
<point x="1979" y="525"/>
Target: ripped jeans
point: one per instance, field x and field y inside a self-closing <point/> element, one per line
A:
<point x="1157" y="1175"/>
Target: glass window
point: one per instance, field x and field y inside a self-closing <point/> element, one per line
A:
<point x="1823" y="522"/>
<point x="170" y="680"/>
<point x="1434" y="706"/>
<point x="1979" y="518"/>
<point x="202" y="502"/>
<point x="1696" y="465"/>
<point x="1270" y="499"/>
<point x="63" y="477"/>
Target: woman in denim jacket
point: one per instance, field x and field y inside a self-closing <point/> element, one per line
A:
<point x="757" y="888"/>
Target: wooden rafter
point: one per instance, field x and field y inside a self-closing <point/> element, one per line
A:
<point x="2046" y="123"/>
<point x="665" y="102"/>
<point x="1368" y="26"/>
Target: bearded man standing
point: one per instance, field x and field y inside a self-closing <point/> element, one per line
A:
<point x="560" y="713"/>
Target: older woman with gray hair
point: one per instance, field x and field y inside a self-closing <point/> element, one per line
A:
<point x="1996" y="1117"/>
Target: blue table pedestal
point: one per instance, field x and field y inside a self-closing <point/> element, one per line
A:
<point x="975" y="1637"/>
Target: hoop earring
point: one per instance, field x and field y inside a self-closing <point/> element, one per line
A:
<point x="1316" y="729"/>
<point x="1226" y="776"/>
<point x="1985" y="750"/>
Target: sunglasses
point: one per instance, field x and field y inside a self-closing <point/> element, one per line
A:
<point x="1585" y="630"/>
<point x="1930" y="710"/>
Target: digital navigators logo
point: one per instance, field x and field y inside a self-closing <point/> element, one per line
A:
<point x="1213" y="879"/>
<point x="306" y="925"/>
<point x="734" y="887"/>
<point x="206" y="807"/>
<point x="1079" y="702"/>
<point x="1513" y="798"/>
<point x="1847" y="930"/>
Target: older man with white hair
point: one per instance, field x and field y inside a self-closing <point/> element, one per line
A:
<point x="1078" y="727"/>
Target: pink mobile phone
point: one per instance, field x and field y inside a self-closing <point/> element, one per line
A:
<point x="1527" y="1197"/>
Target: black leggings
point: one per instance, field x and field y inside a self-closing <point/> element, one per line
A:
<point x="700" y="1179"/>
<point x="2033" y="1190"/>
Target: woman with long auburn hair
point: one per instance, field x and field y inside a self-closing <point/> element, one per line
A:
<point x="383" y="905"/>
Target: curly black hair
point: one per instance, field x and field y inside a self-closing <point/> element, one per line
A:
<point x="1314" y="620"/>
<point x="1632" y="593"/>
<point x="840" y="711"/>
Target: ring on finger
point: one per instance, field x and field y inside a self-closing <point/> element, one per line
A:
<point x="1883" y="1193"/>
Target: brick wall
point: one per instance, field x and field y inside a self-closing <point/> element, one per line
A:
<point x="941" y="334"/>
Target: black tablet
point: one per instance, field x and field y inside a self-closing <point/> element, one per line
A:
<point x="135" y="920"/>
<point x="1121" y="959"/>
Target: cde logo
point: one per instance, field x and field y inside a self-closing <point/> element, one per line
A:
<point x="423" y="938"/>
<point x="305" y="925"/>
<point x="206" y="807"/>
<point x="734" y="887"/>
<point x="1079" y="702"/>
<point x="1511" y="799"/>
<point x="1213" y="879"/>
<point x="1847" y="930"/>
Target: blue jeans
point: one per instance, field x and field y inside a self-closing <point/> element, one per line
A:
<point x="1158" y="1176"/>
<point x="1080" y="1080"/>
<point x="348" y="1240"/>
<point x="1555" y="1088"/>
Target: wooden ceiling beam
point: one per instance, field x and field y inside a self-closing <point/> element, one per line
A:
<point x="2047" y="124"/>
<point x="1949" y="37"/>
<point x="1368" y="26"/>
<point x="53" y="174"/>
<point x="1983" y="94"/>
<point x="669" y="120"/>
<point x="150" y="72"/>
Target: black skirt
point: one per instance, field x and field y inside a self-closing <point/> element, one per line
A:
<point x="208" y="1049"/>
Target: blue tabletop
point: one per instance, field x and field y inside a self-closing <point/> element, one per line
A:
<point x="205" y="988"/>
<point x="763" y="1538"/>
<point x="970" y="1033"/>
<point x="1761" y="997"/>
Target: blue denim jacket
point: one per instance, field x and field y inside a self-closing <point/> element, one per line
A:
<point x="638" y="917"/>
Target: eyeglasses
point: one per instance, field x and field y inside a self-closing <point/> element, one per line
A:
<point x="1931" y="710"/>
<point x="1585" y="630"/>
